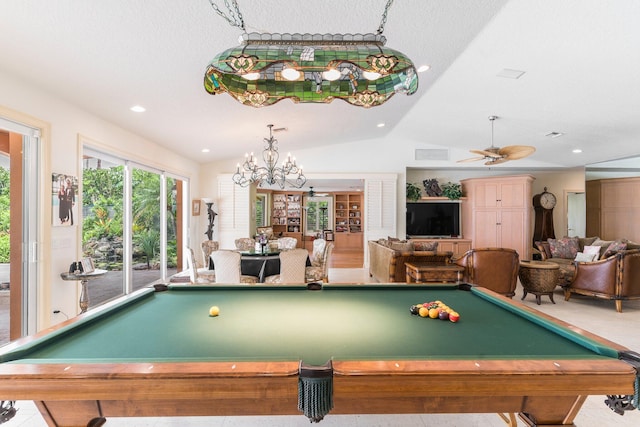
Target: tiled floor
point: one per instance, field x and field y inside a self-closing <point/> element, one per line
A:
<point x="590" y="314"/>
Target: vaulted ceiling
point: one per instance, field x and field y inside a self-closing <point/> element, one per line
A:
<point x="580" y="60"/>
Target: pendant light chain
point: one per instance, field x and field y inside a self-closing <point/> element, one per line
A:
<point x="384" y="17"/>
<point x="234" y="16"/>
<point x="232" y="19"/>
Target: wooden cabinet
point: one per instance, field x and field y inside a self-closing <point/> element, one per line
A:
<point x="348" y="221"/>
<point x="613" y="208"/>
<point x="497" y="212"/>
<point x="286" y="217"/>
<point x="457" y="246"/>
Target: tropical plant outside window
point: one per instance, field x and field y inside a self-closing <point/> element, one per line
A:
<point x="4" y="215"/>
<point x="104" y="227"/>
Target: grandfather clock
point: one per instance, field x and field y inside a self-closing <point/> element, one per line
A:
<point x="543" y="205"/>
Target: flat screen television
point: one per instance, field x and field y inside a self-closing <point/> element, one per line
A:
<point x="433" y="219"/>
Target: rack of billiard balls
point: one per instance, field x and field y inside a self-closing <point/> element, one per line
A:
<point x="435" y="310"/>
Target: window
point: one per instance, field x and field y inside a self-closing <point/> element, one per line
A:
<point x="145" y="210"/>
<point x="318" y="214"/>
<point x="103" y="223"/>
<point x="261" y="210"/>
<point x="121" y="199"/>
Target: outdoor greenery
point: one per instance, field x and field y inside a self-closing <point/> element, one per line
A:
<point x="103" y="214"/>
<point x="4" y="215"/>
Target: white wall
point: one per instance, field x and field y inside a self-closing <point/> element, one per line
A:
<point x="61" y="245"/>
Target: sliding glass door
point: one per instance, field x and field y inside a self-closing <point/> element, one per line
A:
<point x="132" y="224"/>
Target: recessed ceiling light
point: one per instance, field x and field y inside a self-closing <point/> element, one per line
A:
<point x="138" y="109"/>
<point x="577" y="150"/>
<point x="554" y="134"/>
<point x="380" y="125"/>
<point x="423" y="68"/>
<point x="510" y="74"/>
<point x="205" y="150"/>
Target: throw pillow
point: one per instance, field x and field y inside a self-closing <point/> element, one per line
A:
<point x="632" y="245"/>
<point x="604" y="244"/>
<point x="402" y="246"/>
<point x="425" y="246"/>
<point x="614" y="248"/>
<point x="583" y="257"/>
<point x="544" y="248"/>
<point x="586" y="241"/>
<point x="566" y="248"/>
<point x="592" y="250"/>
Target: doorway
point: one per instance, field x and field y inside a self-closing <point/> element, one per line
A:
<point x="22" y="172"/>
<point x="576" y="213"/>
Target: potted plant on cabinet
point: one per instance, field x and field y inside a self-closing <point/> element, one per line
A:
<point x="452" y="190"/>
<point x="413" y="192"/>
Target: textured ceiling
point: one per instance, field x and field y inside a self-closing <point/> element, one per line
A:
<point x="581" y="59"/>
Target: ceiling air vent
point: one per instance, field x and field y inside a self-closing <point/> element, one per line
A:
<point x="432" y="154"/>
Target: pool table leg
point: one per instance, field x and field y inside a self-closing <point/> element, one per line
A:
<point x="71" y="413"/>
<point x="561" y="413"/>
<point x="509" y="419"/>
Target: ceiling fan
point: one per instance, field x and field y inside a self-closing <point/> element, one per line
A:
<point x="496" y="155"/>
<point x="312" y="193"/>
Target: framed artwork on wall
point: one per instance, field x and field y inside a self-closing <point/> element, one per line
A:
<point x="63" y="199"/>
<point x="195" y="207"/>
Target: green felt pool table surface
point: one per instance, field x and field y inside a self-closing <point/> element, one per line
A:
<point x="345" y="323"/>
<point x="160" y="353"/>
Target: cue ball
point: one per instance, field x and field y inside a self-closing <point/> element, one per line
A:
<point x="214" y="311"/>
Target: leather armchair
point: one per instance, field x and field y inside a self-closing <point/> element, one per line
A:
<point x="615" y="278"/>
<point x="492" y="268"/>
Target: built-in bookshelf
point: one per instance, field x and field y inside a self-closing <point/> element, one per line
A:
<point x="286" y="217"/>
<point x="348" y="222"/>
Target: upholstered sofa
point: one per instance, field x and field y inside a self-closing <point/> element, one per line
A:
<point x="566" y="251"/>
<point x="387" y="258"/>
<point x="616" y="277"/>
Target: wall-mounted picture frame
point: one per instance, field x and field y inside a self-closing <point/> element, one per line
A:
<point x="195" y="207"/>
<point x="87" y="266"/>
<point x="64" y="189"/>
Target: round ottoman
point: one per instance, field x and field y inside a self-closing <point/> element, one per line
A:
<point x="539" y="278"/>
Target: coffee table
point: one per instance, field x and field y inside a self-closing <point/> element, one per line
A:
<point x="423" y="271"/>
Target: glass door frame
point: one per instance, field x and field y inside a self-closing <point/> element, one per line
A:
<point x="30" y="304"/>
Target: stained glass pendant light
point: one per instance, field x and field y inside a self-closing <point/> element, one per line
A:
<point x="317" y="68"/>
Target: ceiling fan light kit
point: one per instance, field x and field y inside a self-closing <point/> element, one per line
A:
<point x="496" y="155"/>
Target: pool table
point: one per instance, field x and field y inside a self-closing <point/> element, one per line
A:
<point x="157" y="352"/>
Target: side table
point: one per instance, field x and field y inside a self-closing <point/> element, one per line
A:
<point x="84" y="279"/>
<point x="539" y="278"/>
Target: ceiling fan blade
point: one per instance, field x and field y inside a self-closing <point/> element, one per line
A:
<point x="472" y="159"/>
<point x="515" y="152"/>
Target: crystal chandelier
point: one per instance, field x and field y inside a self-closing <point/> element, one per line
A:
<point x="312" y="68"/>
<point x="289" y="173"/>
